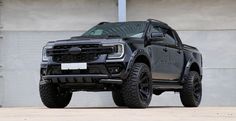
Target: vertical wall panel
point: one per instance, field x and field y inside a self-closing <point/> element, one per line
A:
<point x="1" y="77"/>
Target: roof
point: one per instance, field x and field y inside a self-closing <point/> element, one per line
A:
<point x="160" y="23"/>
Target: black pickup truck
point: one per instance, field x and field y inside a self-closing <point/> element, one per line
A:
<point x="132" y="59"/>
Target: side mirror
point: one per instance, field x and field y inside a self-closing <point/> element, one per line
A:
<point x="157" y="36"/>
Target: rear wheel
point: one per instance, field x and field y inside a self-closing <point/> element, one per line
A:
<point x="191" y="94"/>
<point x="137" y="89"/>
<point x="53" y="96"/>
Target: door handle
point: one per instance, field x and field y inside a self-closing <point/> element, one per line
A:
<point x="165" y="49"/>
<point x="179" y="52"/>
<point x="150" y="51"/>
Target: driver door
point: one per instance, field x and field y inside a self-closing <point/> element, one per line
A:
<point x="159" y="57"/>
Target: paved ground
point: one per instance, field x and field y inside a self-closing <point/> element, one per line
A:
<point x="119" y="114"/>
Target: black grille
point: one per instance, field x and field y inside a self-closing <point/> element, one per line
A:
<point x="78" y="53"/>
<point x="75" y="58"/>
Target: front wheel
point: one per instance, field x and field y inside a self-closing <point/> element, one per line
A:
<point x="118" y="97"/>
<point x="191" y="94"/>
<point x="137" y="89"/>
<point x="53" y="96"/>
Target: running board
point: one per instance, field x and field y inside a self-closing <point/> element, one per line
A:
<point x="166" y="85"/>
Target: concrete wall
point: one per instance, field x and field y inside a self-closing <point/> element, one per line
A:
<point x="210" y="26"/>
<point x="186" y="14"/>
<point x="219" y="77"/>
<point x="28" y="24"/>
<point x="56" y="15"/>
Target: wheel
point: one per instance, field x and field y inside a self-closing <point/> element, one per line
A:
<point x="137" y="89"/>
<point x="54" y="97"/>
<point x="191" y="94"/>
<point x="117" y="97"/>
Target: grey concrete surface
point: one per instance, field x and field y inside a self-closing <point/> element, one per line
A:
<point x="119" y="114"/>
<point x="61" y="15"/>
<point x="186" y="14"/>
<point x="56" y="15"/>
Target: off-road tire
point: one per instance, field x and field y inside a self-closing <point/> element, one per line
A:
<point x="191" y="93"/>
<point x="137" y="90"/>
<point x="117" y="97"/>
<point x="52" y="97"/>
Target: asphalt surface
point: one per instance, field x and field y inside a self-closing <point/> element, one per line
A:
<point x="119" y="114"/>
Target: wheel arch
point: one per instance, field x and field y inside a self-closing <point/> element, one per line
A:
<point x="143" y="59"/>
<point x="191" y="66"/>
<point x="194" y="67"/>
<point x="138" y="56"/>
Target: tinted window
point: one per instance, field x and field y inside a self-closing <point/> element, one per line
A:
<point x="169" y="40"/>
<point x="169" y="36"/>
<point x="154" y="29"/>
<point x="121" y="29"/>
<point x="177" y="38"/>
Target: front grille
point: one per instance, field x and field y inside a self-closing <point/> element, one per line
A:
<point x="75" y="58"/>
<point x="78" y="53"/>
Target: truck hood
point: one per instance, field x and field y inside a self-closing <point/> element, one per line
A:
<point x="86" y="41"/>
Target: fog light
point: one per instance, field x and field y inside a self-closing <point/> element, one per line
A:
<point x="114" y="70"/>
<point x="43" y="72"/>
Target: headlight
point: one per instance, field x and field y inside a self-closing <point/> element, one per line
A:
<point x="44" y="53"/>
<point x="118" y="51"/>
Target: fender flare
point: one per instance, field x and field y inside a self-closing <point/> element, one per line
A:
<point x="134" y="56"/>
<point x="187" y="69"/>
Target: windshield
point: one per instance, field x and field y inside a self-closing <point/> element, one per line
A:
<point x="119" y="29"/>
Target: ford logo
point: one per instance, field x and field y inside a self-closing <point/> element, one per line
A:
<point x="75" y="50"/>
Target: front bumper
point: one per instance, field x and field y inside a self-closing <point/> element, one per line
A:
<point x="99" y="70"/>
<point x="101" y="73"/>
<point x="82" y="78"/>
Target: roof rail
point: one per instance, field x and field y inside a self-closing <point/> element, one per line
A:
<point x="104" y="22"/>
<point x="154" y="20"/>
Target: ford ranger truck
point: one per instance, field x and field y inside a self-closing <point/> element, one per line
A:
<point x="132" y="59"/>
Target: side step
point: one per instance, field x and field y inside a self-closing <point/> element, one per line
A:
<point x="166" y="85"/>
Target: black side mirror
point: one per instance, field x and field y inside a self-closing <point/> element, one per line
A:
<point x="157" y="36"/>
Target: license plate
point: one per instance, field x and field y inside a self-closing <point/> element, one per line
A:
<point x="73" y="66"/>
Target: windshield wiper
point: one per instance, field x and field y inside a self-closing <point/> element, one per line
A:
<point x="99" y="36"/>
<point x="113" y="36"/>
<point x="79" y="37"/>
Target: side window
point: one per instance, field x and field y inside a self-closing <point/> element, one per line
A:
<point x="169" y="37"/>
<point x="154" y="29"/>
<point x="177" y="38"/>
